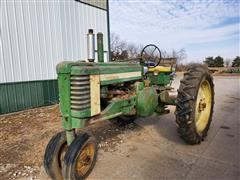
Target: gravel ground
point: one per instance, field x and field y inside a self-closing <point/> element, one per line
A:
<point x="24" y="136"/>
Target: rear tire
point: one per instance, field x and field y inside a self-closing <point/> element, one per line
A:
<point x="195" y="101"/>
<point x="54" y="154"/>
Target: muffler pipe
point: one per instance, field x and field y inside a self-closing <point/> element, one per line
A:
<point x="91" y="45"/>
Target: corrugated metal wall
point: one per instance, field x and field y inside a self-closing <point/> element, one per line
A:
<point x="34" y="36"/>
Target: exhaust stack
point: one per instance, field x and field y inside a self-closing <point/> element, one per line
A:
<point x="91" y="45"/>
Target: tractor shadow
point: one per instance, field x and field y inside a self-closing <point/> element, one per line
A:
<point x="111" y="133"/>
<point x="162" y="127"/>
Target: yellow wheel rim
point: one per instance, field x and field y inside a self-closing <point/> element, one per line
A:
<point x="203" y="106"/>
<point x="85" y="159"/>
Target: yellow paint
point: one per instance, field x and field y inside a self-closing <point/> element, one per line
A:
<point x="203" y="106"/>
<point x="107" y="77"/>
<point x="95" y="94"/>
<point x="85" y="159"/>
<point x="159" y="69"/>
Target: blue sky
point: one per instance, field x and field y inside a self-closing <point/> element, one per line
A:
<point x="204" y="28"/>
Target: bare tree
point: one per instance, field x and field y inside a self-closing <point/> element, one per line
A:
<point x="164" y="54"/>
<point x="179" y="55"/>
<point x="122" y="50"/>
<point x="117" y="44"/>
<point x="134" y="51"/>
<point x="115" y="40"/>
<point x="118" y="47"/>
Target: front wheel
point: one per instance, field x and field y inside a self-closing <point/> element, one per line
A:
<point x="80" y="157"/>
<point x="54" y="154"/>
<point x="195" y="103"/>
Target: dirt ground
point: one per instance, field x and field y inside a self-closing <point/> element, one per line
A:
<point x="24" y="136"/>
<point x="147" y="149"/>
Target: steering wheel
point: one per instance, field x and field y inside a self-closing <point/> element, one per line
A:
<point x="150" y="56"/>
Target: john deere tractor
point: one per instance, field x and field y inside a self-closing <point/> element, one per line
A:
<point x="91" y="91"/>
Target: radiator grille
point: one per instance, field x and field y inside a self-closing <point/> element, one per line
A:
<point x="80" y="92"/>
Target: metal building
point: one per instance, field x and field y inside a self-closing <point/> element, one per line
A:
<point x="36" y="35"/>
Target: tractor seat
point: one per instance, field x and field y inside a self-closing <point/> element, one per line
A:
<point x="160" y="69"/>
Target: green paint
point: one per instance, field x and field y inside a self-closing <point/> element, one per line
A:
<point x="85" y="70"/>
<point x="160" y="79"/>
<point x="78" y="123"/>
<point x="114" y="109"/>
<point x="114" y="81"/>
<point x="81" y="114"/>
<point x="118" y="64"/>
<point x="144" y="101"/>
<point x="110" y="116"/>
<point x="64" y="67"/>
<point x="121" y="105"/>
<point x="232" y="70"/>
<point x="70" y="135"/>
<point x="147" y="101"/>
<point x="100" y="47"/>
<point x="160" y="108"/>
<point x="108" y="32"/>
<point x="64" y="97"/>
<point x="17" y="96"/>
<point x="172" y="102"/>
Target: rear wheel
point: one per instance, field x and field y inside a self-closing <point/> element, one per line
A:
<point x="195" y="103"/>
<point x="80" y="157"/>
<point x="54" y="155"/>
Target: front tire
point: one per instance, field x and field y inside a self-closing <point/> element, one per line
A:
<point x="80" y="157"/>
<point x="195" y="103"/>
<point x="54" y="154"/>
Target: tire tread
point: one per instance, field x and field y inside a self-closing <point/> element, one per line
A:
<point x="185" y="107"/>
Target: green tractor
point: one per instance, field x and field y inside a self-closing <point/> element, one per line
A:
<point x="91" y="92"/>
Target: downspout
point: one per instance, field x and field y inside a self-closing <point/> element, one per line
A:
<point x="108" y="31"/>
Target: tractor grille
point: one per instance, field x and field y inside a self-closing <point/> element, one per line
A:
<point x="80" y="92"/>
